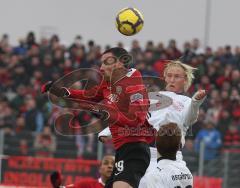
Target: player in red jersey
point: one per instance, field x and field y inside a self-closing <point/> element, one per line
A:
<point x="105" y="171"/>
<point x="122" y="90"/>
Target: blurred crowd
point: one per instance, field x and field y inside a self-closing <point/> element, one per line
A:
<point x="25" y="67"/>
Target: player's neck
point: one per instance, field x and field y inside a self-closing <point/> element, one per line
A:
<point x="169" y="157"/>
<point x="181" y="92"/>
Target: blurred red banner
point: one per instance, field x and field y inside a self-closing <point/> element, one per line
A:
<point x="207" y="182"/>
<point x="30" y="171"/>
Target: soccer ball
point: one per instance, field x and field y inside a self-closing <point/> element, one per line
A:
<point x="129" y="21"/>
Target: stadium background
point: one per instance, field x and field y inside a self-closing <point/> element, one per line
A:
<point x="31" y="149"/>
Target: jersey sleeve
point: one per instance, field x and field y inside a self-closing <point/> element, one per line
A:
<point x="93" y="94"/>
<point x="193" y="111"/>
<point x="105" y="132"/>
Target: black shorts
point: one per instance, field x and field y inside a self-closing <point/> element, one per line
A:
<point x="131" y="163"/>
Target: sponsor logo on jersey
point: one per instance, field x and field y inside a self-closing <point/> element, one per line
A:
<point x="136" y="97"/>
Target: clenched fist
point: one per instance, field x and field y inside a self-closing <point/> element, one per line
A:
<point x="200" y="94"/>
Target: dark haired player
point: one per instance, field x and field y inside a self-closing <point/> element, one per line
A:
<point x="123" y="90"/>
<point x="169" y="172"/>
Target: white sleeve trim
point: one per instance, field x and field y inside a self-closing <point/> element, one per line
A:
<point x="105" y="132"/>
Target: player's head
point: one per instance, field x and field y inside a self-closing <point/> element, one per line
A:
<point x="178" y="76"/>
<point x="55" y="179"/>
<point x="106" y="167"/>
<point x="168" y="140"/>
<point x="114" y="58"/>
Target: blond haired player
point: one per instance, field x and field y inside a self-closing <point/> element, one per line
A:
<point x="168" y="172"/>
<point x="182" y="110"/>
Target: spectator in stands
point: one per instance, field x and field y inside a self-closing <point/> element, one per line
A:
<point x="136" y="49"/>
<point x="235" y="78"/>
<point x="228" y="56"/>
<point x="232" y="136"/>
<point x="172" y="51"/>
<point x="237" y="58"/>
<point x="31" y="39"/>
<point x="224" y="121"/>
<point x="48" y="67"/>
<point x="33" y="116"/>
<point x="23" y="148"/>
<point x="196" y="47"/>
<point x="7" y="118"/>
<point x="45" y="143"/>
<point x="188" y="53"/>
<point x="20" y="124"/>
<point x="18" y="101"/>
<point x="19" y="75"/>
<point x="190" y="155"/>
<point x="21" y="49"/>
<point x="211" y="139"/>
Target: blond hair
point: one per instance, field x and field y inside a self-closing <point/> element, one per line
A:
<point x="187" y="69"/>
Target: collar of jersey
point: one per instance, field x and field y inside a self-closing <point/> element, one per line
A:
<point x="129" y="74"/>
<point x="161" y="158"/>
<point x="180" y="93"/>
<point x="100" y="181"/>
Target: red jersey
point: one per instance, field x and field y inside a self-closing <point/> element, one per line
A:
<point x="128" y="97"/>
<point x="87" y="183"/>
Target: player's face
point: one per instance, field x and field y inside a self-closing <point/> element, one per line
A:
<point x="107" y="165"/>
<point x="109" y="63"/>
<point x="175" y="79"/>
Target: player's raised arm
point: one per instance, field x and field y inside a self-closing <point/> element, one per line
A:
<point x="192" y="112"/>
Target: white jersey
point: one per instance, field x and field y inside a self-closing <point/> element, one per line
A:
<point x="168" y="174"/>
<point x="183" y="111"/>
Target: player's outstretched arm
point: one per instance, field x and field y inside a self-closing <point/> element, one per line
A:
<point x="93" y="94"/>
<point x="192" y="113"/>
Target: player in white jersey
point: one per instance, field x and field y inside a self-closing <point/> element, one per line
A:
<point x="182" y="109"/>
<point x="168" y="172"/>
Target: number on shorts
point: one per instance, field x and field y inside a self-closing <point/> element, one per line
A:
<point x="119" y="165"/>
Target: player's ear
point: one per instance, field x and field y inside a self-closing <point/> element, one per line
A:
<point x="126" y="59"/>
